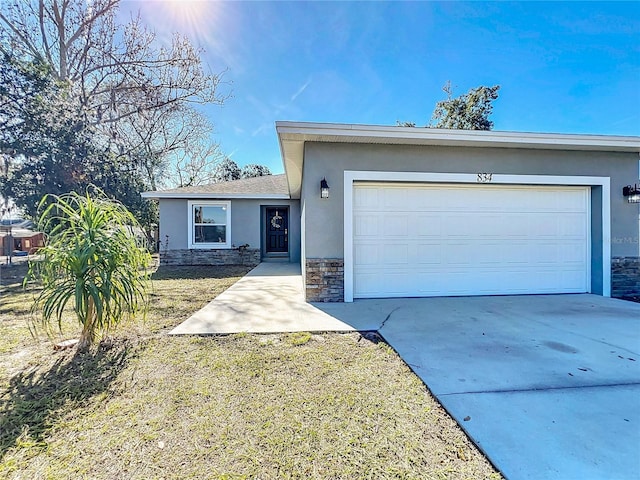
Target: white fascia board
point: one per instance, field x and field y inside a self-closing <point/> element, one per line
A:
<point x="344" y="133"/>
<point x="215" y="196"/>
<point x="293" y="135"/>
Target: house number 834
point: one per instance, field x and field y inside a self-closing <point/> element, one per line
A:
<point x="484" y="177"/>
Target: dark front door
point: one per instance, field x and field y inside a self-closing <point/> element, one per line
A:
<point x="277" y="223"/>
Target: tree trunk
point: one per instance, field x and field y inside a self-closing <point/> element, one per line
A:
<point x="88" y="335"/>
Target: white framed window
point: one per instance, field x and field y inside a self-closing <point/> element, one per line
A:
<point x="209" y="224"/>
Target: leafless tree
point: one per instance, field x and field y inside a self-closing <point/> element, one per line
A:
<point x="129" y="89"/>
<point x="195" y="165"/>
<point x="117" y="71"/>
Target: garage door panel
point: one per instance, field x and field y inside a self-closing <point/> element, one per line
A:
<point x="459" y="254"/>
<point x="430" y="240"/>
<point x="367" y="285"/>
<point x="395" y="254"/>
<point x="569" y="278"/>
<point x="428" y="225"/>
<point x="540" y="225"/>
<point x="524" y="281"/>
<point x="569" y="202"/>
<point x="367" y="255"/>
<point x="542" y="253"/>
<point x="367" y="197"/>
<point x="514" y="252"/>
<point x="492" y="253"/>
<point x="398" y="282"/>
<point x="394" y="225"/>
<point x="366" y="225"/>
<point x="478" y="225"/>
<point x="572" y="253"/>
<point x="426" y="200"/>
<point x="573" y="225"/>
<point x="394" y="198"/>
<point x="428" y="254"/>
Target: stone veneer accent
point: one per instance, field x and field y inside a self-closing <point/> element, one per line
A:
<point x="324" y="279"/>
<point x="625" y="276"/>
<point x="200" y="256"/>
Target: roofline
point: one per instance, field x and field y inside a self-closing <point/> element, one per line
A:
<point x="293" y="135"/>
<point x="347" y="133"/>
<point x="221" y="196"/>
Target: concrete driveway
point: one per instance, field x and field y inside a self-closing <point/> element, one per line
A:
<point x="548" y="386"/>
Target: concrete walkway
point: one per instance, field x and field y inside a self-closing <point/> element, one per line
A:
<point x="268" y="299"/>
<point x="548" y="386"/>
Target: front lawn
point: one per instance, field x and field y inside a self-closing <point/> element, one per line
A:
<point x="145" y="405"/>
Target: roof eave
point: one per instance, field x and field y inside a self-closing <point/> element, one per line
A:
<point x="293" y="135"/>
<point x="346" y="133"/>
<point x="214" y="196"/>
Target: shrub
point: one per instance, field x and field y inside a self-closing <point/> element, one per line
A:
<point x="92" y="256"/>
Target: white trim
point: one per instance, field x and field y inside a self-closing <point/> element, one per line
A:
<point x="292" y="137"/>
<point x="356" y="133"/>
<point x="606" y="236"/>
<point x="213" y="246"/>
<point x="215" y="196"/>
<point x="351" y="176"/>
<point x="589" y="236"/>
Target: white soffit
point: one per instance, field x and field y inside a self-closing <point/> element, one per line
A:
<point x="293" y="135"/>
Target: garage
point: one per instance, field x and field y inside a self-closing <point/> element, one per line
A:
<point x="431" y="239"/>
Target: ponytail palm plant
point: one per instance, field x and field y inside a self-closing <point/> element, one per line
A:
<point x="93" y="259"/>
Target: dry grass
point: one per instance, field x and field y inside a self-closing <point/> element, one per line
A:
<point x="143" y="405"/>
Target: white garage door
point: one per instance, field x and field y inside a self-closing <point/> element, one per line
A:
<point x="417" y="240"/>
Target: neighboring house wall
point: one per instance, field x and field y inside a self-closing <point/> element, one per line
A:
<point x="246" y="228"/>
<point x="324" y="236"/>
<point x="24" y="242"/>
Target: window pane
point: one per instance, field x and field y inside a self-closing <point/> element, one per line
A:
<point x="210" y="214"/>
<point x="211" y="234"/>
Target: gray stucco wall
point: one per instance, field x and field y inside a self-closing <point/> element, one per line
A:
<point x="173" y="224"/>
<point x="245" y="223"/>
<point x="324" y="235"/>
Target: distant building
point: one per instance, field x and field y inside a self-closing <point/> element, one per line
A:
<point x="19" y="240"/>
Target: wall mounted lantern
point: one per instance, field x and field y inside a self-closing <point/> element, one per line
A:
<point x="324" y="188"/>
<point x="632" y="193"/>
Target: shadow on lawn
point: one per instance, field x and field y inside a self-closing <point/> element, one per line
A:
<point x="35" y="399"/>
<point x="196" y="272"/>
<point x="11" y="277"/>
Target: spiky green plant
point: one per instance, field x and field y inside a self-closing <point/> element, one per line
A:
<point x="93" y="258"/>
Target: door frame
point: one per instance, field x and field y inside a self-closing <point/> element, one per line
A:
<point x="601" y="253"/>
<point x="263" y="234"/>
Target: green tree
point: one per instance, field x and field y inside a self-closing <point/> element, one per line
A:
<point x="94" y="259"/>
<point x="469" y="111"/>
<point x="226" y="171"/>
<point x="45" y="147"/>
<point x="254" y="170"/>
<point x="79" y="89"/>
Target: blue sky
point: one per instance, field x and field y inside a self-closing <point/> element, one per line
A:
<point x="563" y="67"/>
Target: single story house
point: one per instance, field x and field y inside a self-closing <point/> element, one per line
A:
<point x="386" y="211"/>
<point x="17" y="240"/>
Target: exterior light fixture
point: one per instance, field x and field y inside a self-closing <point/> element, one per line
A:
<point x="324" y="188"/>
<point x="632" y="193"/>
